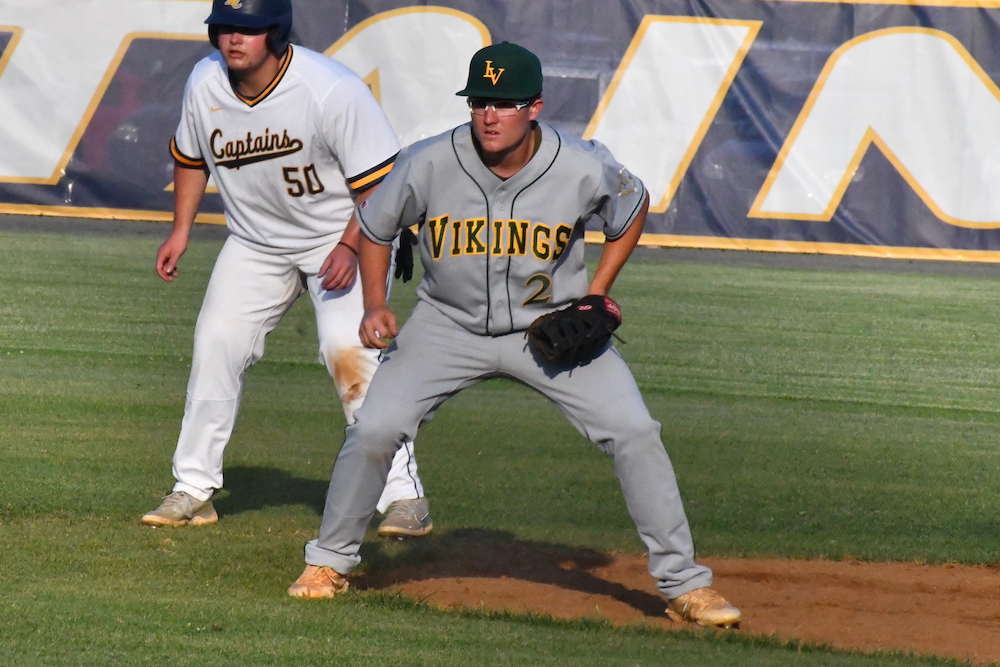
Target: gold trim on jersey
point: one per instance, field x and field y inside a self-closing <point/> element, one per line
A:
<point x="186" y="161"/>
<point x="372" y="177"/>
<point x="251" y="102"/>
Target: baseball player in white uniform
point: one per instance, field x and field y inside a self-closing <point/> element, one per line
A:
<point x="292" y="139"/>
<point x="502" y="203"/>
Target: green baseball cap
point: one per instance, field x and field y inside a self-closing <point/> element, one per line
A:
<point x="504" y="71"/>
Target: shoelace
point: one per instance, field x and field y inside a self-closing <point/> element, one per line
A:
<point x="399" y="511"/>
<point x="173" y="501"/>
<point x="702" y="599"/>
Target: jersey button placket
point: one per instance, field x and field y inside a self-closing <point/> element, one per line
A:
<point x="501" y="269"/>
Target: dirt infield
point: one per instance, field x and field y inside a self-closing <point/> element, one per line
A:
<point x="943" y="610"/>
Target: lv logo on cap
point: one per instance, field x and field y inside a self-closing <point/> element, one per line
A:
<point x="492" y="74"/>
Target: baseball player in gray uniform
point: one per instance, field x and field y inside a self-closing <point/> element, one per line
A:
<point x="292" y="139"/>
<point x="502" y="203"/>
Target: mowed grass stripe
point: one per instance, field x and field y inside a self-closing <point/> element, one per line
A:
<point x="807" y="413"/>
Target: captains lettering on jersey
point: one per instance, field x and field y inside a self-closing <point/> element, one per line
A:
<point x="515" y="238"/>
<point x="241" y="152"/>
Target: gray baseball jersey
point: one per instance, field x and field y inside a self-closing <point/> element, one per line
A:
<point x="498" y="253"/>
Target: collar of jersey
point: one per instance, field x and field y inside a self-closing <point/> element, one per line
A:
<point x="270" y="87"/>
<point x="473" y="165"/>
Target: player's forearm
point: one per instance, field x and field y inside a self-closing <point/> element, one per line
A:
<point x="616" y="253"/>
<point x="373" y="261"/>
<point x="189" y="187"/>
<point x="352" y="233"/>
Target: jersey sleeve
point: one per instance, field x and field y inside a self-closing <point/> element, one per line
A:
<point x="620" y="195"/>
<point x="372" y="177"/>
<point x="359" y="134"/>
<point x="184" y="144"/>
<point x="395" y="205"/>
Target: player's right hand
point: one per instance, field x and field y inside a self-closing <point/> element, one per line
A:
<point x="378" y="326"/>
<point x="339" y="269"/>
<point x="168" y="255"/>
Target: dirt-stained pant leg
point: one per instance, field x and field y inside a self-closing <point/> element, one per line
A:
<point x="435" y="358"/>
<point x="351" y="365"/>
<point x="247" y="296"/>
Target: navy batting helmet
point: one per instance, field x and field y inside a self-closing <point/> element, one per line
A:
<point x="255" y="14"/>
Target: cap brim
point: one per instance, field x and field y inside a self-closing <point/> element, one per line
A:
<point x="492" y="95"/>
<point x="239" y="20"/>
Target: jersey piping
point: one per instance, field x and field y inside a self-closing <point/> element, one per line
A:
<point x="513" y="202"/>
<point x="253" y="101"/>
<point x="489" y="216"/>
<point x="632" y="215"/>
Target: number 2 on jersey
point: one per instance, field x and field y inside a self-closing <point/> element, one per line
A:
<point x="543" y="283"/>
<point x="312" y="183"/>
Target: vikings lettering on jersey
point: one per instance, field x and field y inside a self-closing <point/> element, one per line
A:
<point x="506" y="237"/>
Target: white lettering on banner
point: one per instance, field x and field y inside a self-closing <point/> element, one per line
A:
<point x="60" y="66"/>
<point x="415" y="59"/>
<point x="920" y="97"/>
<point x="665" y="94"/>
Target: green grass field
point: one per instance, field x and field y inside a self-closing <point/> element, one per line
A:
<point x="808" y="413"/>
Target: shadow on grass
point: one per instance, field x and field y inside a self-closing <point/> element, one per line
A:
<point x="480" y="552"/>
<point x="252" y="488"/>
<point x="467" y="552"/>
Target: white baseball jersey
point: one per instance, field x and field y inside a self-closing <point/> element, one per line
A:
<point x="287" y="161"/>
<point x="498" y="253"/>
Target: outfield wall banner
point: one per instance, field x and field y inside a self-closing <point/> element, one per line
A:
<point x="832" y="127"/>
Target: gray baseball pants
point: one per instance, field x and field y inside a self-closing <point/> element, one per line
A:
<point x="431" y="360"/>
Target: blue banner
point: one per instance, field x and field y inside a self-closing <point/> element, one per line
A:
<point x="846" y="128"/>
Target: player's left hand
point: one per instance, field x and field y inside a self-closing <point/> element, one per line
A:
<point x="339" y="269"/>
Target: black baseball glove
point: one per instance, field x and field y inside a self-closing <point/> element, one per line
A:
<point x="576" y="334"/>
<point x="404" y="255"/>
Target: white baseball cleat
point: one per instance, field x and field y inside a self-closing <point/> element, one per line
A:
<point x="407" y="518"/>
<point x="180" y="509"/>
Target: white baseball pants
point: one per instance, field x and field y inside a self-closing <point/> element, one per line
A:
<point x="248" y="294"/>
